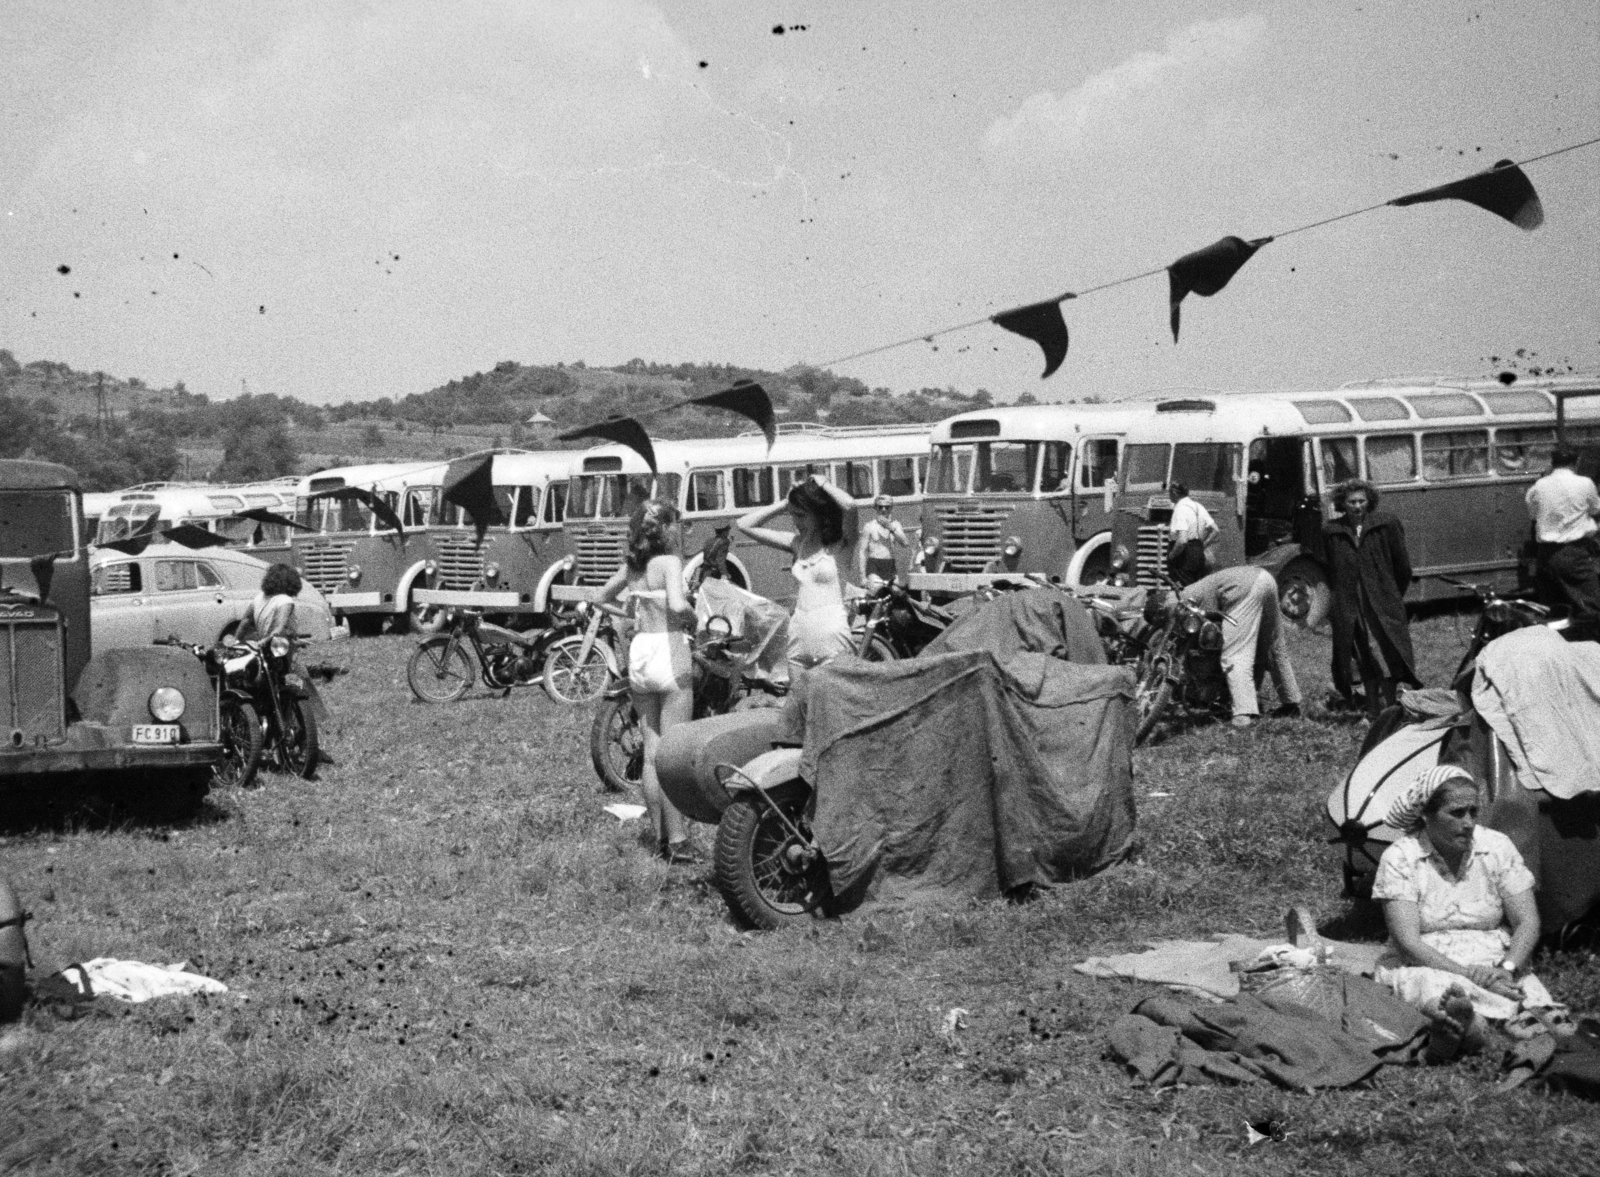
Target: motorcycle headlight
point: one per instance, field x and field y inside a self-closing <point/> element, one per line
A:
<point x="167" y="704"/>
<point x="1211" y="636"/>
<point x="1120" y="555"/>
<point x="1192" y="624"/>
<point x="1499" y="612"/>
<point x="491" y="571"/>
<point x="354" y="573"/>
<point x="280" y="647"/>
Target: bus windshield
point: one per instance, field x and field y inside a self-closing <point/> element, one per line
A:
<point x="1147" y="465"/>
<point x="124" y="519"/>
<point x="1004" y="467"/>
<point x="948" y="473"/>
<point x="614" y="496"/>
<point x="35" y="524"/>
<point x="1204" y="465"/>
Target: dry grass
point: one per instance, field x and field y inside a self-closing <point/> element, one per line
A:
<point x="446" y="958"/>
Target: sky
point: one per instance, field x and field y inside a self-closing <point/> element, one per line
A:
<point x="335" y="200"/>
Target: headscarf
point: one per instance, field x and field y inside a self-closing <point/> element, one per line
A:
<point x="1406" y="813"/>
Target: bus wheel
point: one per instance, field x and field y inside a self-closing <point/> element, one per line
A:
<point x="1303" y="594"/>
<point x="426" y="618"/>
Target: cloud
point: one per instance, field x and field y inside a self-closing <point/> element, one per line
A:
<point x="1146" y="95"/>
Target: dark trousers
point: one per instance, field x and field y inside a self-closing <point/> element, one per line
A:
<point x="1568" y="574"/>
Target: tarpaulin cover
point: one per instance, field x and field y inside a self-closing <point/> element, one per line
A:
<point x="1043" y="620"/>
<point x="1541" y="695"/>
<point x="959" y="775"/>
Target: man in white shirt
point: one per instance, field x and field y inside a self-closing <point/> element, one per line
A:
<point x="1563" y="505"/>
<point x="1189" y="531"/>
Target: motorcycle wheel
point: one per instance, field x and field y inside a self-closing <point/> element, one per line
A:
<point x="1151" y="699"/>
<point x="297" y="743"/>
<point x="768" y="879"/>
<point x="242" y="742"/>
<point x="439" y="673"/>
<point x="879" y="649"/>
<point x="566" y="680"/>
<point x="616" y="745"/>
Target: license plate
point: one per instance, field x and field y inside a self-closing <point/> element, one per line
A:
<point x="155" y="733"/>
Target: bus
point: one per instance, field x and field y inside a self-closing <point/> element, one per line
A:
<point x="365" y="569"/>
<point x="511" y="570"/>
<point x="1451" y="460"/>
<point x="1037" y="473"/>
<point x="214" y="508"/>
<point x="713" y="481"/>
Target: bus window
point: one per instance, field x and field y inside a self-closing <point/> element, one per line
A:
<point x="1338" y="459"/>
<point x="854" y="477"/>
<point x="1444" y="404"/>
<point x="1516" y="400"/>
<point x="614" y="496"/>
<point x="1380" y="408"/>
<point x="951" y="465"/>
<point x="752" y="486"/>
<point x="1005" y="467"/>
<point x="1056" y="468"/>
<point x="526" y="513"/>
<point x="1461" y="453"/>
<point x="896" y="476"/>
<point x="1147" y="465"/>
<point x="418" y="506"/>
<point x="1206" y="465"/>
<point x="792" y="476"/>
<point x="555" y="502"/>
<point x="1097" y="462"/>
<point x="705" y="491"/>
<point x="505" y="497"/>
<point x="1522" y="451"/>
<point x="1392" y="458"/>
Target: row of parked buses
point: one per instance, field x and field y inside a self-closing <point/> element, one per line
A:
<point x="119" y="514"/>
<point x="1082" y="487"/>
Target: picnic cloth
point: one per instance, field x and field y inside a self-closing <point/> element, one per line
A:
<point x="963" y="775"/>
<point x="1040" y="620"/>
<point x="1245" y="1039"/>
<point x="1541" y="695"/>
<point x="1204" y="967"/>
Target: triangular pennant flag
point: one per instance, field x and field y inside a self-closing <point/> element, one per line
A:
<point x="622" y="430"/>
<point x="191" y="536"/>
<point x="747" y="398"/>
<point x="1503" y="190"/>
<point x="1206" y="271"/>
<point x="130" y="546"/>
<point x="262" y="515"/>
<point x="469" y="483"/>
<point x="1043" y="323"/>
<point x="384" y="513"/>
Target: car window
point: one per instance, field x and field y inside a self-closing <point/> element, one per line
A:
<point x="206" y="576"/>
<point x="109" y="579"/>
<point x="175" y="575"/>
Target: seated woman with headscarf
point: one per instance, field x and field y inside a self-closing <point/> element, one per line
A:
<point x="1458" y="900"/>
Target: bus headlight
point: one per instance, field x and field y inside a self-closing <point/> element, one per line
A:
<point x="354" y="573"/>
<point x="491" y="571"/>
<point x="167" y="704"/>
<point x="1120" y="556"/>
<point x="430" y="567"/>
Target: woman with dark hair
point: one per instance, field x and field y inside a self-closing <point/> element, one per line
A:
<point x="824" y="520"/>
<point x="1369" y="571"/>
<point x="660" y="665"/>
<point x="271" y="614"/>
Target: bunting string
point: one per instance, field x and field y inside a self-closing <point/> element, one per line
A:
<point x="1470" y="188"/>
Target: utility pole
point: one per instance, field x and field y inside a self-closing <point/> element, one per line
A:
<point x="101" y="414"/>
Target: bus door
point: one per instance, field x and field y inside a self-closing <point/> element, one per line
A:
<point x="1211" y="470"/>
<point x="1096" y="466"/>
<point x="1281" y="505"/>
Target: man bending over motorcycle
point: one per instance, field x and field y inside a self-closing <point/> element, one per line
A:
<point x="1252" y="638"/>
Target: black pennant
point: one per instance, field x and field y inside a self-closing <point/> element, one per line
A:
<point x="1043" y="323"/>
<point x="1503" y="190"/>
<point x="138" y="539"/>
<point x="622" y="430"/>
<point x="262" y="515"/>
<point x="1206" y="271"/>
<point x="747" y="398"/>
<point x="469" y="483"/>
<point x="380" y="509"/>
<point x="191" y="536"/>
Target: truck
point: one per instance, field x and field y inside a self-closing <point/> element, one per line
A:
<point x="131" y="726"/>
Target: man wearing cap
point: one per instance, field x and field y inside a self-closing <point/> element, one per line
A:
<point x="1188" y="532"/>
<point x="1563" y="505"/>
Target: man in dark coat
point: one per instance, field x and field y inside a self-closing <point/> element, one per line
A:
<point x="1369" y="571"/>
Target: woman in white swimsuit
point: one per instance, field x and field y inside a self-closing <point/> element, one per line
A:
<point x="824" y="524"/>
<point x="660" y="665"/>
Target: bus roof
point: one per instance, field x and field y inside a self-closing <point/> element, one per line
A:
<point x="530" y="469"/>
<point x="389" y="475"/>
<point x="751" y="450"/>
<point x="1037" y="422"/>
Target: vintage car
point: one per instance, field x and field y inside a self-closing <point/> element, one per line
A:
<point x="168" y="590"/>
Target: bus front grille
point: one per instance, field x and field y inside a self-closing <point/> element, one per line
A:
<point x="32" y="699"/>
<point x="600" y="549"/>
<point x="459" y="560"/>
<point x="325" y="564"/>
<point x="971" y="536"/>
<point x="1152" y="556"/>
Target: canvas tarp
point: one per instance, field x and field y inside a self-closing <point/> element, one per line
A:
<point x="1043" y="620"/>
<point x="959" y="775"/>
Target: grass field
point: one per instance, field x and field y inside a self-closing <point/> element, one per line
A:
<point x="445" y="958"/>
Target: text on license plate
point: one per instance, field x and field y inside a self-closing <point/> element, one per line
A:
<point x="155" y="733"/>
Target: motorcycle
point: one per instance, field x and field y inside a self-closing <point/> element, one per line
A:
<point x="723" y="679"/>
<point x="1499" y="614"/>
<point x="895" y="625"/>
<point x="441" y="668"/>
<point x="1181" y="664"/>
<point x="585" y="659"/>
<point x="243" y="738"/>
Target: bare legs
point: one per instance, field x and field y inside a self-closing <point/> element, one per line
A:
<point x="658" y="712"/>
